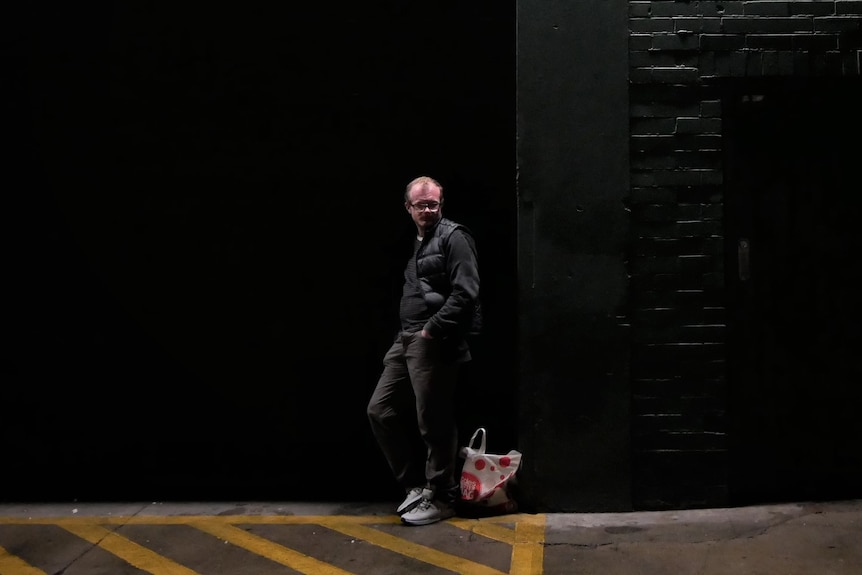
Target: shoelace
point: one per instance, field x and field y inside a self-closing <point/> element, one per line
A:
<point x="424" y="504"/>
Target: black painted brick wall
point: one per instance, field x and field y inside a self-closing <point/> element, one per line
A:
<point x="678" y="50"/>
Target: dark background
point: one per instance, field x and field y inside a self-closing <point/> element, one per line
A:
<point x="795" y="326"/>
<point x="206" y="232"/>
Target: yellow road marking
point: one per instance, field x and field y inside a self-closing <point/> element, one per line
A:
<point x="527" y="539"/>
<point x="486" y="529"/>
<point x="239" y="519"/>
<point x="413" y="550"/>
<point x="190" y="519"/>
<point x="528" y="552"/>
<point x="129" y="551"/>
<point x="269" y="549"/>
<point x="12" y="565"/>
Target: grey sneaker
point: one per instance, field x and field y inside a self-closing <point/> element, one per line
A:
<point x="428" y="511"/>
<point x="414" y="496"/>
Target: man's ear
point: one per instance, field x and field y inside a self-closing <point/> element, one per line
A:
<point x="407" y="206"/>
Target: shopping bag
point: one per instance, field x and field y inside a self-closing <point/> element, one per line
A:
<point x="488" y="480"/>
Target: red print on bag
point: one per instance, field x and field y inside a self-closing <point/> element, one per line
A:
<point x="505" y="461"/>
<point x="469" y="486"/>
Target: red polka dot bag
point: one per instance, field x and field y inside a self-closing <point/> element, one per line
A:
<point x="487" y="479"/>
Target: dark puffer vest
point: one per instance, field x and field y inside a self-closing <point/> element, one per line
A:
<point x="462" y="315"/>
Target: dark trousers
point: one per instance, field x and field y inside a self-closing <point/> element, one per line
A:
<point x="417" y="385"/>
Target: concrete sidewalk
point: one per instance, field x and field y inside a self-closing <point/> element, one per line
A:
<point x="270" y="538"/>
<point x="814" y="538"/>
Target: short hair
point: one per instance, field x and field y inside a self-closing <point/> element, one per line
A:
<point x="424" y="180"/>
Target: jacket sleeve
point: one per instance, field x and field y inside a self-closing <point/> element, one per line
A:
<point x="462" y="267"/>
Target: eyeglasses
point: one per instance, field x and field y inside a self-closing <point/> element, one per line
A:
<point x="422" y="206"/>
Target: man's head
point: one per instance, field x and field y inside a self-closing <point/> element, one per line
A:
<point x="424" y="201"/>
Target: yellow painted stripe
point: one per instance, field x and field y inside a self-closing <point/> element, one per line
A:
<point x="269" y="549"/>
<point x="528" y="552"/>
<point x="237" y="519"/>
<point x="413" y="550"/>
<point x="486" y="529"/>
<point x="129" y="551"/>
<point x="191" y="519"/>
<point x="12" y="565"/>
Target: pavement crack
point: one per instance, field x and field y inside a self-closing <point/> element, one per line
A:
<point x="75" y="559"/>
<point x="587" y="546"/>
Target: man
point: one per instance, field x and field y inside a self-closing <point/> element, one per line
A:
<point x="439" y="308"/>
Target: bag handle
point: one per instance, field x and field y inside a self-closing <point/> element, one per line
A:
<point x="481" y="448"/>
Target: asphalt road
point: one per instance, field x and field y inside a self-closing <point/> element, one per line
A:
<point x="337" y="539"/>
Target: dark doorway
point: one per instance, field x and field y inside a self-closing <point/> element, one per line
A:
<point x="208" y="237"/>
<point x="793" y="243"/>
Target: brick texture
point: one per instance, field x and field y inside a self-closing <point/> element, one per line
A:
<point x="679" y="50"/>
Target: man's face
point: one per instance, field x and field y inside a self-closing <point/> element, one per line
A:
<point x="424" y="205"/>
